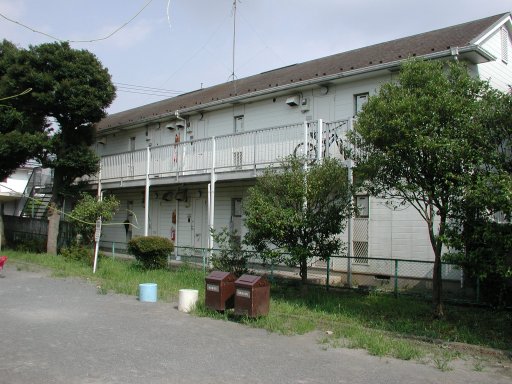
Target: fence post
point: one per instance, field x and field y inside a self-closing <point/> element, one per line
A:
<point x="327" y="283"/>
<point x="113" y="249"/>
<point x="204" y="260"/>
<point x="396" y="278"/>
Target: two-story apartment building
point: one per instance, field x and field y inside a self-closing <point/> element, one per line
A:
<point x="183" y="165"/>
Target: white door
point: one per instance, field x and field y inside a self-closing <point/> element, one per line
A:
<point x="199" y="223"/>
<point x="154" y="215"/>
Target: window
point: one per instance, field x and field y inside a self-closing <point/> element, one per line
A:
<point x="239" y="124"/>
<point x="363" y="206"/>
<point x="132" y="144"/>
<point x="359" y="101"/>
<point x="504" y="45"/>
<point x="236" y="218"/>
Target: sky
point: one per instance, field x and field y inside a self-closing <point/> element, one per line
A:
<point x="177" y="46"/>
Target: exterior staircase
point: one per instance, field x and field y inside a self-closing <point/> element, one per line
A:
<point x="37" y="194"/>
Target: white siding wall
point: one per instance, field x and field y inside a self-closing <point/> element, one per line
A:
<point x="497" y="72"/>
<point x="399" y="234"/>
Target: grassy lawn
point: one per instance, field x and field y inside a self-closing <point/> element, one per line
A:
<point x="381" y="324"/>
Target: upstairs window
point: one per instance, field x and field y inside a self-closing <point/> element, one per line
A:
<point x="359" y="101"/>
<point x="239" y="124"/>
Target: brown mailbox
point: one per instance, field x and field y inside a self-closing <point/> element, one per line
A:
<point x="252" y="296"/>
<point x="220" y="290"/>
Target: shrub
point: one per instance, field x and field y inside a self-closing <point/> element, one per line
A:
<point x="88" y="210"/>
<point x="151" y="251"/>
<point x="230" y="256"/>
<point x="35" y="244"/>
<point x="79" y="253"/>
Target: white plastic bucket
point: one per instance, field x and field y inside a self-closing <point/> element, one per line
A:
<point x="147" y="292"/>
<point x="187" y="299"/>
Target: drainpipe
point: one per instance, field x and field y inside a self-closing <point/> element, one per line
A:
<point x="146" y="195"/>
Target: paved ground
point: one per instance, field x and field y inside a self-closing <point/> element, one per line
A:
<point x="62" y="331"/>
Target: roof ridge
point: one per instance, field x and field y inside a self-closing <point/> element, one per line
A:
<point x="420" y="44"/>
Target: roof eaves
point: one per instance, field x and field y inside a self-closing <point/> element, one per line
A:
<point x="485" y="34"/>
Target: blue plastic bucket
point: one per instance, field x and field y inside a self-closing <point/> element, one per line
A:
<point x="147" y="292"/>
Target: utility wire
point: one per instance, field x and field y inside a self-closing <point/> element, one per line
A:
<point x="142" y="87"/>
<point x="158" y="92"/>
<point x="78" y="41"/>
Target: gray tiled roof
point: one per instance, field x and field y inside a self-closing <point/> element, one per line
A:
<point x="422" y="44"/>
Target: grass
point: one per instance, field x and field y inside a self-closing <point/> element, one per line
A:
<point x="381" y="324"/>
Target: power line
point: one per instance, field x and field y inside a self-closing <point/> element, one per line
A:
<point x="143" y="90"/>
<point x="78" y="41"/>
<point x="146" y="93"/>
<point x="143" y="87"/>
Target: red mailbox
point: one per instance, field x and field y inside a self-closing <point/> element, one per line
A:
<point x="252" y="296"/>
<point x="220" y="290"/>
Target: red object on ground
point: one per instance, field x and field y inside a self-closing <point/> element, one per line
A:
<point x="3" y="259"/>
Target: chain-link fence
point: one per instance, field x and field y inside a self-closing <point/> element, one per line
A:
<point x="396" y="276"/>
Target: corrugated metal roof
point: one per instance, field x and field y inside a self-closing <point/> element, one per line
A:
<point x="365" y="58"/>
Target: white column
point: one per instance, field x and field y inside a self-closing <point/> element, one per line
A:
<point x="99" y="182"/>
<point x="319" y="141"/>
<point x="305" y="146"/>
<point x="146" y="194"/>
<point x="350" y="224"/>
<point x="211" y="197"/>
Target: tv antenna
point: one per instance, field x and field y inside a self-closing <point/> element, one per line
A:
<point x="233" y="76"/>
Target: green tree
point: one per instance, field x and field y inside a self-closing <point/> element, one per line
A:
<point x="88" y="210"/>
<point x="69" y="88"/>
<point x="23" y="130"/>
<point x="480" y="231"/>
<point x="421" y="138"/>
<point x="293" y="215"/>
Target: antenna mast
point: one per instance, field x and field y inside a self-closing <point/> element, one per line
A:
<point x="234" y="41"/>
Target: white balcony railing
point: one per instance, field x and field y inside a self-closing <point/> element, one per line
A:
<point x="241" y="151"/>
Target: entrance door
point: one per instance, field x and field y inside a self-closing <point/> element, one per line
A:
<point x="199" y="224"/>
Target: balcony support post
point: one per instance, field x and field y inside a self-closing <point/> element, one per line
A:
<point x="146" y="193"/>
<point x="320" y="142"/>
<point x="350" y="224"/>
<point x="211" y="200"/>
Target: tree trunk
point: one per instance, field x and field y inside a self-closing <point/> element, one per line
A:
<point x="437" y="281"/>
<point x="437" y="285"/>
<point x="303" y="276"/>
<point x="54" y="214"/>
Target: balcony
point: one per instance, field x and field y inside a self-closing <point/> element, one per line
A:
<point x="228" y="156"/>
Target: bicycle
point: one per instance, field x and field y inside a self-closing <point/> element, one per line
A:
<point x="330" y="137"/>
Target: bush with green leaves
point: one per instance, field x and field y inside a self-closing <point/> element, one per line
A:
<point x="230" y="257"/>
<point x="88" y="210"/>
<point x="151" y="251"/>
<point x="80" y="253"/>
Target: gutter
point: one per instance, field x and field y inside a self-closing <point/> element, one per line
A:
<point x="323" y="79"/>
